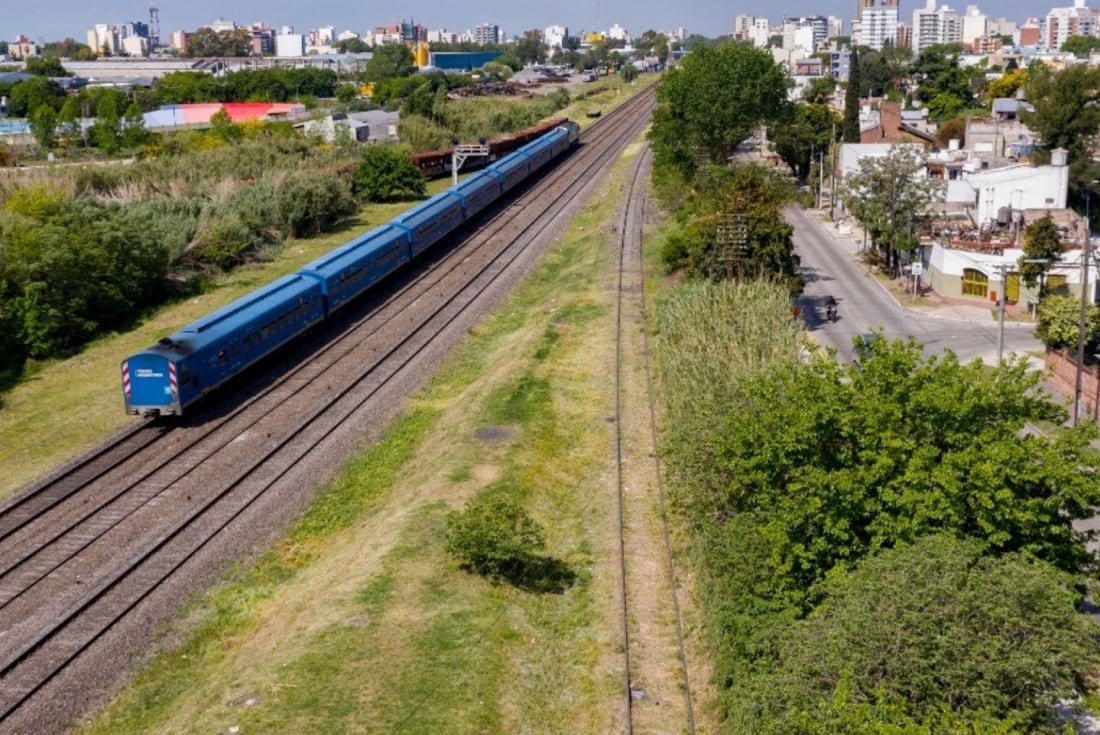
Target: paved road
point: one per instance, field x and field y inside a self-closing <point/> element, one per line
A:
<point x="830" y="267"/>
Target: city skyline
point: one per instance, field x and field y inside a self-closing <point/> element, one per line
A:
<point x="70" y="18"/>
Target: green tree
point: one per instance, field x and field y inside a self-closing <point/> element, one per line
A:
<point x="223" y="127"/>
<point x="388" y="61"/>
<point x="208" y="42"/>
<point x="808" y="133"/>
<point x="819" y="91"/>
<point x="29" y="95"/>
<point x="107" y="131"/>
<point x="46" y="67"/>
<point x="352" y="46"/>
<point x="838" y="461"/>
<point x="628" y="72"/>
<point x="754" y="195"/>
<point x="494" y="536"/>
<point x="1043" y="249"/>
<point x="133" y="126"/>
<point x="43" y="122"/>
<point x="1081" y="46"/>
<point x="69" y="123"/>
<point x="531" y="49"/>
<point x="712" y="102"/>
<point x="851" y="101"/>
<point x="944" y="632"/>
<point x="653" y="43"/>
<point x="889" y="196"/>
<point x="386" y="172"/>
<point x="1059" y="323"/>
<point x="1066" y="115"/>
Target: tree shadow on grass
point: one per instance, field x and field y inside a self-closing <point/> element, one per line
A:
<point x="537" y="574"/>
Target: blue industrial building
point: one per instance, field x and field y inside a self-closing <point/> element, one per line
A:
<point x="461" y="60"/>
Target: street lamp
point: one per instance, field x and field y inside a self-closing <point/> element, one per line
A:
<point x="1082" y="318"/>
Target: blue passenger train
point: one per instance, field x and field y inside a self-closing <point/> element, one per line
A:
<point x="183" y="367"/>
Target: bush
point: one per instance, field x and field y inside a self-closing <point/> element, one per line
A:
<point x="312" y="202"/>
<point x="494" y="536"/>
<point x="223" y="241"/>
<point x="387" y="172"/>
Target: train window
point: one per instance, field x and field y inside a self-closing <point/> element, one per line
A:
<point x="185" y="376"/>
<point x="222" y="357"/>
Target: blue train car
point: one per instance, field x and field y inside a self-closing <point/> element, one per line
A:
<point x="183" y="367"/>
<point x="563" y="137"/>
<point x="479" y="191"/>
<point x="512" y="169"/>
<point x="351" y="269"/>
<point x="428" y="222"/>
<point x="540" y="151"/>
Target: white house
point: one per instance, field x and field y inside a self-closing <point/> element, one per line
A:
<point x="1019" y="187"/>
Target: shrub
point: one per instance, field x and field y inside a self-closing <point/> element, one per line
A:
<point x="386" y="172"/>
<point x="311" y="202"/>
<point x="223" y="241"/>
<point x="494" y="536"/>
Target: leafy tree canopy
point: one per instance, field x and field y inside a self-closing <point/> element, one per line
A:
<point x="208" y="42"/>
<point x="1059" y="323"/>
<point x="808" y="133"/>
<point x="1081" y="46"/>
<point x="386" y="172"/>
<point x="1041" y="243"/>
<point x="390" y="60"/>
<point x="352" y="46"/>
<point x="934" y="634"/>
<point x="838" y="461"/>
<point x="653" y="43"/>
<point x="531" y="49"/>
<point x="712" y="101"/>
<point x="46" y="67"/>
<point x="889" y="195"/>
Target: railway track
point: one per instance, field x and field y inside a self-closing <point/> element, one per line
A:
<point x="656" y="683"/>
<point x="95" y="556"/>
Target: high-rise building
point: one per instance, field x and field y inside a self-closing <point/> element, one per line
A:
<point x="486" y="33"/>
<point x="555" y="36"/>
<point x="1061" y="23"/>
<point x="862" y="5"/>
<point x="932" y="26"/>
<point x="975" y="25"/>
<point x="879" y="24"/>
<point x="742" y="25"/>
<point x="805" y="33"/>
<point x="760" y="32"/>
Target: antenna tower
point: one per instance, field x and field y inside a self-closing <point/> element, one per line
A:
<point x="154" y="24"/>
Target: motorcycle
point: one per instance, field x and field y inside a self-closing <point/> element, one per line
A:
<point x="830" y="311"/>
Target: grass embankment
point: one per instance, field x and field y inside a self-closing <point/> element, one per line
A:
<point x="62" y="408"/>
<point x="359" y="621"/>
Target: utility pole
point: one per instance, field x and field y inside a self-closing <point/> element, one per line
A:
<point x="832" y="172"/>
<point x="820" y="175"/>
<point x="1083" y="317"/>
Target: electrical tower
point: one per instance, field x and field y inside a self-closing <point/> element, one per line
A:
<point x="732" y="239"/>
<point x="154" y="25"/>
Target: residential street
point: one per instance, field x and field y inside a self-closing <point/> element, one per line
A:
<point x="830" y="267"/>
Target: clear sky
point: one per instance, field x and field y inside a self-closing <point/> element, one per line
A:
<point x="55" y="19"/>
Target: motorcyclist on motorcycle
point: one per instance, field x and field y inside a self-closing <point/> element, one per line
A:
<point x="830" y="308"/>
